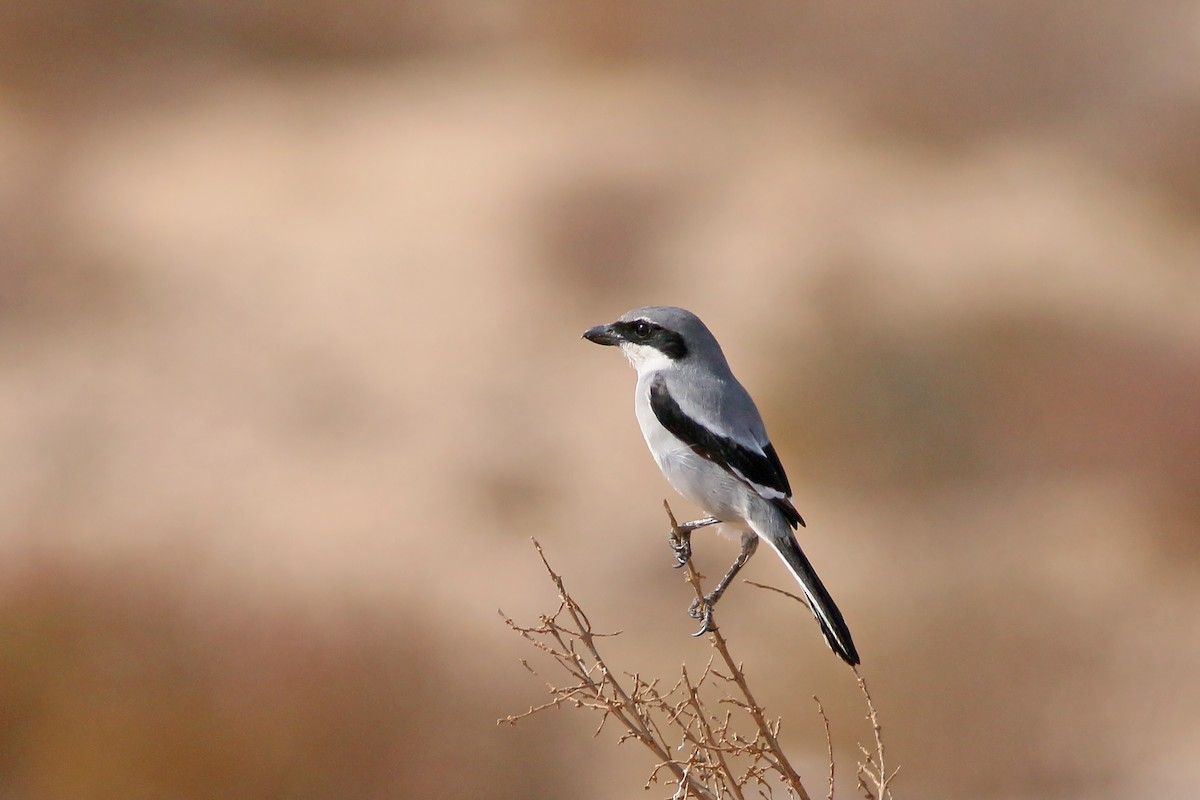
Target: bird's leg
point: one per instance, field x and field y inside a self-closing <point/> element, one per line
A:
<point x="703" y="609"/>
<point x="682" y="544"/>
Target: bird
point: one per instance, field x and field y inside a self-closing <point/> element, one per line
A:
<point x="708" y="438"/>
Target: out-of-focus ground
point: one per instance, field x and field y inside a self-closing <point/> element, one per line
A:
<point x="290" y="371"/>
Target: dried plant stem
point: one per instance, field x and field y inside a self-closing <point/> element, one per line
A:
<point x="828" y="743"/>
<point x="702" y="750"/>
<point x="708" y="735"/>
<point x="872" y="769"/>
<point x="735" y="669"/>
<point x="623" y="707"/>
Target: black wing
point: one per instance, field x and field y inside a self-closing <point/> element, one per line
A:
<point x="762" y="470"/>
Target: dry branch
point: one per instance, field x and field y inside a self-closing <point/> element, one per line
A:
<point x="731" y="753"/>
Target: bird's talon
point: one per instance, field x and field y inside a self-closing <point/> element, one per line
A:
<point x="682" y="546"/>
<point x="702" y="610"/>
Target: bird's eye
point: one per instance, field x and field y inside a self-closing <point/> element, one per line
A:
<point x="642" y="329"/>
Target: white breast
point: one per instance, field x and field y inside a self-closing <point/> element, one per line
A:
<point x="696" y="478"/>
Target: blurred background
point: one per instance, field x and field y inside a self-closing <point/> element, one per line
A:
<point x="290" y="373"/>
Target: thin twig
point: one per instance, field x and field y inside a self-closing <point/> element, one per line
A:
<point x="874" y="767"/>
<point x="777" y="590"/>
<point x="828" y="743"/>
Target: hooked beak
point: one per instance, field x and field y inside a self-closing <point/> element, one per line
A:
<point x="602" y="334"/>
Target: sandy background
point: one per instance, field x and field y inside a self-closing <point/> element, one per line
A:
<point x="290" y="371"/>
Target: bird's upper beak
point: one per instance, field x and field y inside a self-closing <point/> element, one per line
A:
<point x="602" y="334"/>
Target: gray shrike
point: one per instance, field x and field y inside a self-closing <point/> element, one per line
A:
<point x="708" y="439"/>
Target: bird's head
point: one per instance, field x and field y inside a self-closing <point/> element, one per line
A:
<point x="655" y="337"/>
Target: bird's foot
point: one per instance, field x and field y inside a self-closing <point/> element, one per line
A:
<point x="681" y="538"/>
<point x="702" y="610"/>
<point x="682" y="546"/>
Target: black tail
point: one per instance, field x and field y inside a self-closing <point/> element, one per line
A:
<point x="837" y="635"/>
